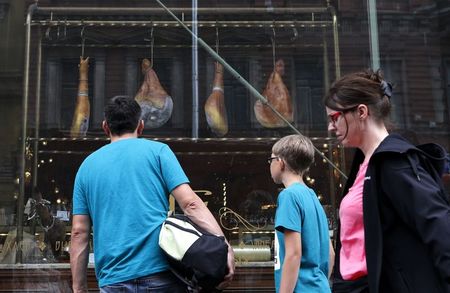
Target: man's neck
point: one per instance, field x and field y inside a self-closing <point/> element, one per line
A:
<point x="115" y="138"/>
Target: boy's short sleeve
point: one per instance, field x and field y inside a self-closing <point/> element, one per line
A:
<point x="289" y="214"/>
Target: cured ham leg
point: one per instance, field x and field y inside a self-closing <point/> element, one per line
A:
<point x="278" y="96"/>
<point x="80" y="122"/>
<point x="216" y="113"/>
<point x="155" y="103"/>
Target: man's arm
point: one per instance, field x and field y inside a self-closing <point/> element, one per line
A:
<point x="195" y="209"/>
<point x="292" y="259"/>
<point x="79" y="252"/>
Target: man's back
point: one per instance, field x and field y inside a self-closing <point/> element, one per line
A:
<point x="124" y="187"/>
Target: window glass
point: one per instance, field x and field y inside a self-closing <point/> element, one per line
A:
<point x="306" y="45"/>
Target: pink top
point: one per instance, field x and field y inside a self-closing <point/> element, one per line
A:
<point x="353" y="254"/>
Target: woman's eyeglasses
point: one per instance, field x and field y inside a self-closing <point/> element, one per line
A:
<point x="332" y="118"/>
<point x="269" y="160"/>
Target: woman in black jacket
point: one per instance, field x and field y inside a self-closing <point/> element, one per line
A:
<point x="394" y="233"/>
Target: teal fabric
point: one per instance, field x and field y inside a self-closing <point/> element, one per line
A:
<point x="299" y="210"/>
<point x="124" y="188"/>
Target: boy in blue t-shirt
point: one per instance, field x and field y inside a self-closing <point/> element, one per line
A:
<point x="303" y="251"/>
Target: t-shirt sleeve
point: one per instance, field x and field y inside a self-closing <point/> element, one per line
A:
<point x="80" y="206"/>
<point x="171" y="170"/>
<point x="289" y="214"/>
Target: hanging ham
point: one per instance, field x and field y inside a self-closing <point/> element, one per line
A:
<point x="80" y="122"/>
<point x="278" y="96"/>
<point x="216" y="113"/>
<point x="155" y="103"/>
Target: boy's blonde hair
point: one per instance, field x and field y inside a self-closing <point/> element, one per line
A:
<point x="297" y="151"/>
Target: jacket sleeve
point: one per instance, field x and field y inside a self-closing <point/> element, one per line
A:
<point x="421" y="204"/>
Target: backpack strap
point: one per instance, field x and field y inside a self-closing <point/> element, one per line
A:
<point x="192" y="285"/>
<point x="430" y="169"/>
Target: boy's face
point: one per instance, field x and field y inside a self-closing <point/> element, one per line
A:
<point x="275" y="168"/>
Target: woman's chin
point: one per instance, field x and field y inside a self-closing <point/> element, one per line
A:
<point x="344" y="141"/>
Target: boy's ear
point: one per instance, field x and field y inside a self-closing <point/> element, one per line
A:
<point x="283" y="164"/>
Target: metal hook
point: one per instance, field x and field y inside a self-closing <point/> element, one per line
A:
<point x="65" y="30"/>
<point x="152" y="43"/>
<point x="47" y="31"/>
<point x="295" y="31"/>
<point x="57" y="33"/>
<point x="47" y="34"/>
<point x="217" y="38"/>
<point x="83" y="38"/>
<point x="273" y="44"/>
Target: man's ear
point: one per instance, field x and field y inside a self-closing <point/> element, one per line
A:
<point x="140" y="127"/>
<point x="105" y="128"/>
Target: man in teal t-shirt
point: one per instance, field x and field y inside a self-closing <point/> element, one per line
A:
<point x="302" y="243"/>
<point x="122" y="190"/>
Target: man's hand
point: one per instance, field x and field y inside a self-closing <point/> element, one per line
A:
<point x="231" y="267"/>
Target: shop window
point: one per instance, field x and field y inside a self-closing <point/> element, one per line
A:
<point x="393" y="70"/>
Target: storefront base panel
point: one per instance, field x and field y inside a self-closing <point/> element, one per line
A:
<point x="57" y="278"/>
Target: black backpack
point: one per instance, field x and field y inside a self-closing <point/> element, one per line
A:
<point x="195" y="256"/>
<point x="440" y="167"/>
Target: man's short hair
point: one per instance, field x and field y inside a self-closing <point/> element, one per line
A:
<point x="122" y="114"/>
<point x="297" y="151"/>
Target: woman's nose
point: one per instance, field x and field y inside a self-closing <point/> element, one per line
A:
<point x="331" y="126"/>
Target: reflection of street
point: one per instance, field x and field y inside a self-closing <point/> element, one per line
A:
<point x="332" y="222"/>
<point x="30" y="249"/>
<point x="230" y="220"/>
<point x="33" y="248"/>
<point x="248" y="253"/>
<point x="255" y="235"/>
<point x="203" y="192"/>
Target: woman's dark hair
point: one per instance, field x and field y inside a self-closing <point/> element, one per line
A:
<point x="364" y="87"/>
<point x="122" y="114"/>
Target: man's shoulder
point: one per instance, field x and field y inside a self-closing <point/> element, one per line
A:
<point x="135" y="143"/>
<point x="149" y="143"/>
